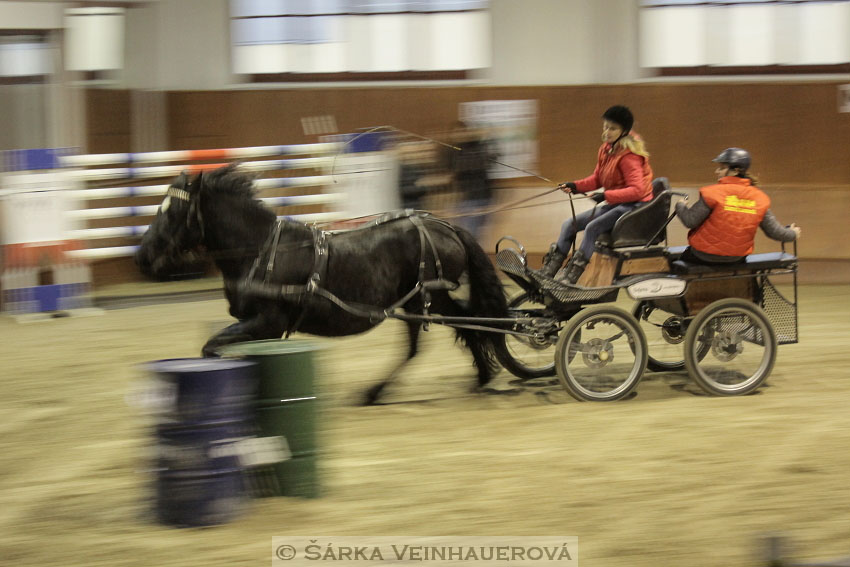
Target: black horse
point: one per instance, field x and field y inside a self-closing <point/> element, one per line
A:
<point x="283" y="276"/>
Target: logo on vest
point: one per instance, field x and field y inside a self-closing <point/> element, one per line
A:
<point x="735" y="204"/>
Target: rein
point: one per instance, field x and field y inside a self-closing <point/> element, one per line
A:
<point x="507" y="207"/>
<point x="515" y="205"/>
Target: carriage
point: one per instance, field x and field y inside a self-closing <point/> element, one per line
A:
<point x="721" y="323"/>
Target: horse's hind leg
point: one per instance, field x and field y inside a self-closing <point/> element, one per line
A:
<point x="481" y="354"/>
<point x="478" y="343"/>
<point x="374" y="393"/>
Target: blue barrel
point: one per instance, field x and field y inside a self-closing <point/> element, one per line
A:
<point x="199" y="498"/>
<point x="199" y="477"/>
<point x="199" y="446"/>
<point x="204" y="389"/>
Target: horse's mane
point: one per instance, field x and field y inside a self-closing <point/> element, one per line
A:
<point x="230" y="181"/>
<point x="232" y="192"/>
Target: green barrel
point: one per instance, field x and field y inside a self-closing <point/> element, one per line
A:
<point x="286" y="406"/>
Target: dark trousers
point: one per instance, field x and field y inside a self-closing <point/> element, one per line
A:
<point x="595" y="223"/>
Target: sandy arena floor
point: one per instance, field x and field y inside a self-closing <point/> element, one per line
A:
<point x="667" y="478"/>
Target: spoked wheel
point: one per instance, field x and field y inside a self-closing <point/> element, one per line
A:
<point x="601" y="354"/>
<point x="740" y="344"/>
<point x="526" y="357"/>
<point x="665" y="333"/>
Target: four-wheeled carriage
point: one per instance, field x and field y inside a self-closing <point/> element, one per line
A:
<point x="721" y="323"/>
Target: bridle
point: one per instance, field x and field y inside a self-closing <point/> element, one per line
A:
<point x="194" y="214"/>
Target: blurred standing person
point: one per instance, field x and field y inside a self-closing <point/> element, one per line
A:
<point x="419" y="173"/>
<point x="623" y="169"/>
<point x="724" y="221"/>
<point x="470" y="168"/>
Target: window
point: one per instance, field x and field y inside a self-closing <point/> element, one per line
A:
<point x="754" y="37"/>
<point x="297" y="40"/>
<point x="25" y="57"/>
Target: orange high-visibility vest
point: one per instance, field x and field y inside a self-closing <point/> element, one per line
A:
<point x="737" y="209"/>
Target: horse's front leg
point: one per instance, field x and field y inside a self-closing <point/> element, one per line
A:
<point x="257" y="328"/>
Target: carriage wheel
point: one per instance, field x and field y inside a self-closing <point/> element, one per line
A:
<point x="740" y="344"/>
<point x="601" y="354"/>
<point x="665" y="332"/>
<point x="526" y="357"/>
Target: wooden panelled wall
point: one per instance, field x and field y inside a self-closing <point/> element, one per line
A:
<point x="799" y="141"/>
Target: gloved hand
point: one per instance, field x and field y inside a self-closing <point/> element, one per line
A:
<point x="797" y="230"/>
<point x="598" y="197"/>
<point x="568" y="187"/>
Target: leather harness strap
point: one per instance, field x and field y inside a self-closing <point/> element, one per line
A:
<point x="318" y="275"/>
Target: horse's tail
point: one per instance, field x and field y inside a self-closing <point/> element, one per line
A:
<point x="486" y="299"/>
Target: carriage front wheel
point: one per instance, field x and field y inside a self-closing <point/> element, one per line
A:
<point x="601" y="354"/>
<point x="524" y="356"/>
<point x="730" y="347"/>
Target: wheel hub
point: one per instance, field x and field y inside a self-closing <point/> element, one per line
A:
<point x="673" y="330"/>
<point x="544" y="333"/>
<point x="726" y="346"/>
<point x="597" y="353"/>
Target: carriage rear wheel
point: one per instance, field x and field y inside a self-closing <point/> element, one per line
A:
<point x="665" y="333"/>
<point x="526" y="357"/>
<point x="601" y="354"/>
<point x="730" y="347"/>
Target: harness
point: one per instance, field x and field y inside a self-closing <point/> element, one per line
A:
<point x="314" y="286"/>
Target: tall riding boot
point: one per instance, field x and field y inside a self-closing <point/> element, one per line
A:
<point x="575" y="267"/>
<point x="552" y="261"/>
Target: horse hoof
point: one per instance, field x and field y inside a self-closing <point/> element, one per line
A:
<point x="495" y="392"/>
<point x="373" y="394"/>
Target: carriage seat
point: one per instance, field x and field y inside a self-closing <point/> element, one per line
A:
<point x="751" y="263"/>
<point x="674" y="252"/>
<point x="636" y="227"/>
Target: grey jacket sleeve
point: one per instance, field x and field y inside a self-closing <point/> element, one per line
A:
<point x="694" y="216"/>
<point x="776" y="231"/>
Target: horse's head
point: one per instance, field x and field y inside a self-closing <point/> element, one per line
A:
<point x="176" y="232"/>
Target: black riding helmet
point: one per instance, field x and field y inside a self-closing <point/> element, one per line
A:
<point x="620" y="115"/>
<point x="736" y="158"/>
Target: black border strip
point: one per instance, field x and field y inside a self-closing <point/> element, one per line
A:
<point x="713" y="71"/>
<point x="356" y="76"/>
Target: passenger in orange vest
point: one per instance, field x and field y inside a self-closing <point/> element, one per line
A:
<point x="623" y="169"/>
<point x="724" y="221"/>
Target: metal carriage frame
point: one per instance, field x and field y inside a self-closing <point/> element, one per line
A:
<point x="723" y="323"/>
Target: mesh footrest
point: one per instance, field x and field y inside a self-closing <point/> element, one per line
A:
<point x="510" y="262"/>
<point x="568" y="293"/>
